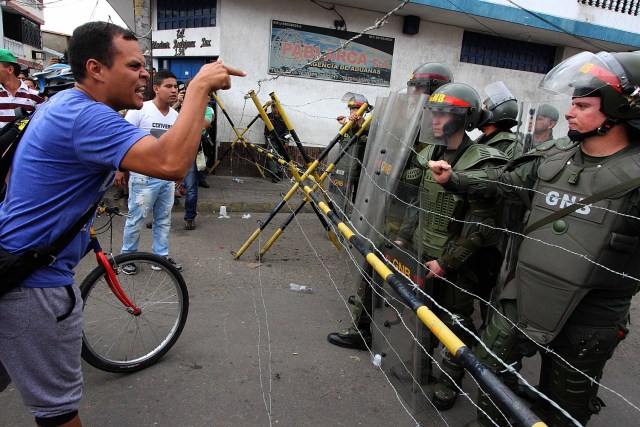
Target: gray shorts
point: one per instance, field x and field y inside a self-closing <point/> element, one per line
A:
<point x="40" y="345"/>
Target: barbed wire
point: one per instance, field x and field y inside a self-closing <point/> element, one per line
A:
<point x="388" y="295"/>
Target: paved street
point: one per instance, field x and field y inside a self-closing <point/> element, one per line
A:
<point x="255" y="353"/>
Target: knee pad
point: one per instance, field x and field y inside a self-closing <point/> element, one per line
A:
<point x="571" y="390"/>
<point x="500" y="339"/>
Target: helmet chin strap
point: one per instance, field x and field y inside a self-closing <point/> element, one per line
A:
<point x="577" y="136"/>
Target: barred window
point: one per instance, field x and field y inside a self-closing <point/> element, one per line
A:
<point x="31" y="33"/>
<point x="174" y="14"/>
<point x="484" y="49"/>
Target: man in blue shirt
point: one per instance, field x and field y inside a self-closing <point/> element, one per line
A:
<point x="66" y="161"/>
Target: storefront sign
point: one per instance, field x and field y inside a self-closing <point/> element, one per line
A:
<point x="295" y="48"/>
<point x="183" y="44"/>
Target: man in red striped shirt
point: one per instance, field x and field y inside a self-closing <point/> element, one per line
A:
<point x="14" y="93"/>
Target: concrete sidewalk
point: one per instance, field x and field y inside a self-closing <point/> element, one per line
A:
<point x="238" y="194"/>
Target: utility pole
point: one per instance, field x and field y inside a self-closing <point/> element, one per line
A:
<point x="142" y="21"/>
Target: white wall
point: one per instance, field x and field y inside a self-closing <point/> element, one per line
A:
<point x="579" y="12"/>
<point x="312" y="105"/>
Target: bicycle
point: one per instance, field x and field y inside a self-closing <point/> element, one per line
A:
<point x="130" y="320"/>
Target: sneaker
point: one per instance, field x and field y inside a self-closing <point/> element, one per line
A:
<point x="172" y="261"/>
<point x="130" y="269"/>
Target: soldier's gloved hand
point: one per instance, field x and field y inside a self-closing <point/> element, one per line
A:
<point x="434" y="269"/>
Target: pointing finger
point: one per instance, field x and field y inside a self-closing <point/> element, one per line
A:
<point x="235" y="71"/>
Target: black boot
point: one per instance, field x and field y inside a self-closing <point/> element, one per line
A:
<point x="351" y="338"/>
<point x="446" y="390"/>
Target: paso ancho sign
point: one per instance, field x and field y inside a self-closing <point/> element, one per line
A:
<point x="314" y="52"/>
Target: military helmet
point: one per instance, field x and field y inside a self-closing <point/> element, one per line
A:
<point x="549" y="111"/>
<point x="502" y="104"/>
<point x="614" y="77"/>
<point x="504" y="114"/>
<point x="356" y="101"/>
<point x="460" y="98"/>
<point x="431" y="76"/>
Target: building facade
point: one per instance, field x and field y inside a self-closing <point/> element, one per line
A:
<point x="20" y="23"/>
<point x="482" y="41"/>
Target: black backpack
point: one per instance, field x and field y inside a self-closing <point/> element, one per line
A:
<point x="10" y="136"/>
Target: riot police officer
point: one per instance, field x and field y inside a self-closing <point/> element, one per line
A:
<point x="424" y="80"/>
<point x="496" y="132"/>
<point x="546" y="119"/>
<point x="449" y="243"/>
<point x="575" y="305"/>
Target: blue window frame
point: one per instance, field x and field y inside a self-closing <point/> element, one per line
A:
<point x="174" y="14"/>
<point x="492" y="51"/>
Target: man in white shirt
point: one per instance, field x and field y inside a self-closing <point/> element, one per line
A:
<point x="147" y="194"/>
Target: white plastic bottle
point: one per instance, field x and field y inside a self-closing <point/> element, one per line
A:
<point x="300" y="288"/>
<point x="376" y="359"/>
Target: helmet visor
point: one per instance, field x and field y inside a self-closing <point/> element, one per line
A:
<point x="442" y="123"/>
<point x="417" y="90"/>
<point x="497" y="93"/>
<point x="347" y="96"/>
<point x="584" y="74"/>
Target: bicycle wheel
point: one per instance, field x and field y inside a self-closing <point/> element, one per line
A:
<point x="116" y="340"/>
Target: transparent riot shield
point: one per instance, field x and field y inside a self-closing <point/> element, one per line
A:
<point x="397" y="333"/>
<point x="344" y="179"/>
<point x="393" y="132"/>
<point x="542" y="119"/>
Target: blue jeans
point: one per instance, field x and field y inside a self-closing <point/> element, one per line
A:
<point x="191" y="198"/>
<point x="148" y="194"/>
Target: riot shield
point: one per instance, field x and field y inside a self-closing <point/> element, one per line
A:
<point x="396" y="330"/>
<point x="393" y="131"/>
<point x="542" y="119"/>
<point x="344" y="177"/>
<point x="343" y="180"/>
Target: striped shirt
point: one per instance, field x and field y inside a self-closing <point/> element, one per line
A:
<point x="24" y="97"/>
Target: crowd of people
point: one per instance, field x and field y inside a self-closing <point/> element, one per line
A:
<point x="576" y="194"/>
